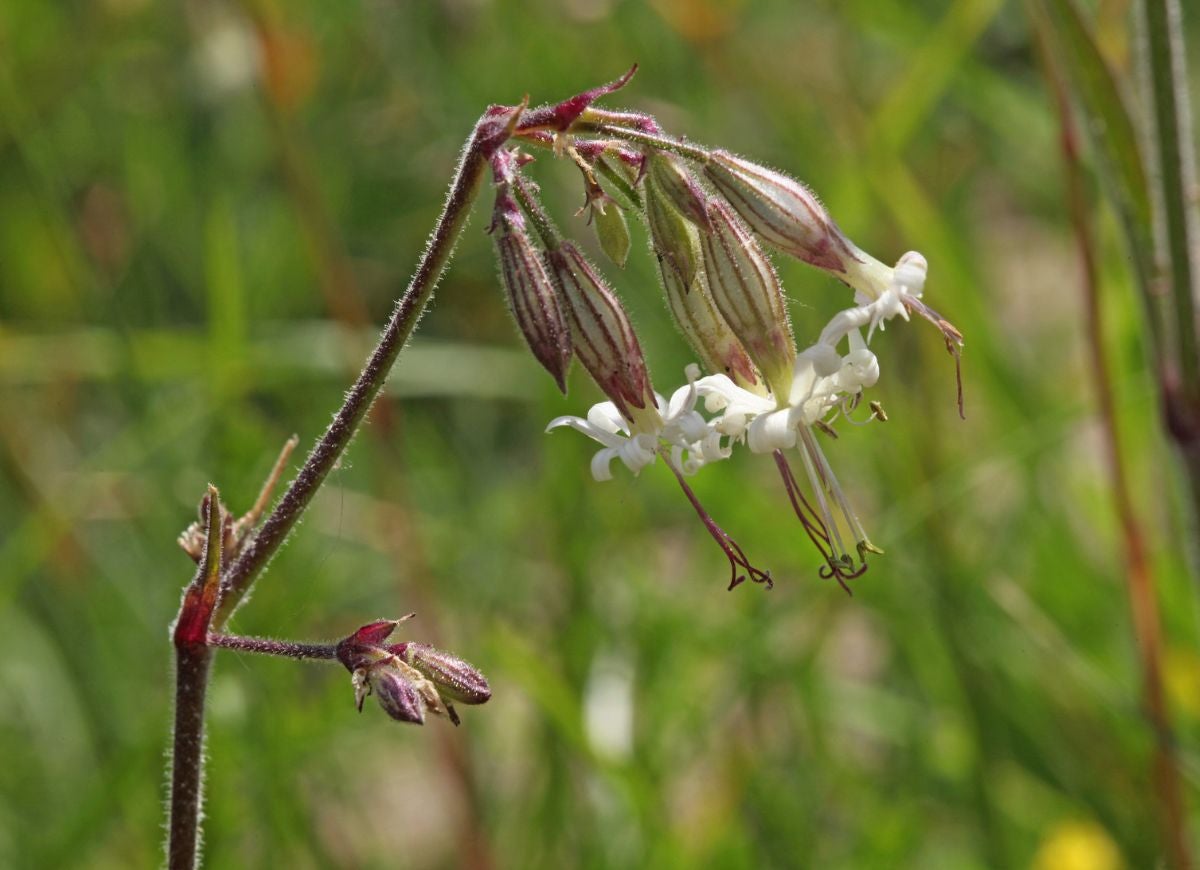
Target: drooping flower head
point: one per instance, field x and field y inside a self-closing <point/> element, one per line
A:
<point x="709" y="215"/>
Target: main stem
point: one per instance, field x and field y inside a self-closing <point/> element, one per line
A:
<point x="193" y="660"/>
<point x="192" y="666"/>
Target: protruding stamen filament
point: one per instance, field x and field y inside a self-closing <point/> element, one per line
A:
<point x="834" y="487"/>
<point x="807" y="451"/>
<point x="950" y="334"/>
<point x="839" y="564"/>
<point x="739" y="564"/>
<point x="804" y="511"/>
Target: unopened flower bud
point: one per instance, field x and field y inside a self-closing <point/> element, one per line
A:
<point x="397" y="696"/>
<point x="679" y="185"/>
<point x="453" y="677"/>
<point x="781" y="211"/>
<point x="529" y="290"/>
<point x="612" y="232"/>
<point x="602" y="335"/>
<point x="365" y="646"/>
<point x="748" y="295"/>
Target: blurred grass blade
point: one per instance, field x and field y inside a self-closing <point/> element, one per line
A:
<point x="1111" y="133"/>
<point x="1174" y="176"/>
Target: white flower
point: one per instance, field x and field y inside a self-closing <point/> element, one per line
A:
<point x="880" y="292"/>
<point x="677" y="424"/>
<point x="824" y="382"/>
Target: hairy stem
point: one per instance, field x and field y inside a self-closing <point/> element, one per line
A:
<point x="258" y="552"/>
<point x="193" y="660"/>
<point x="269" y="647"/>
<point x="192" y="666"/>
<point x="654" y="140"/>
<point x="211" y="598"/>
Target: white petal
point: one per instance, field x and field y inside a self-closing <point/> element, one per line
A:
<point x="691" y="427"/>
<point x="638" y="452"/>
<point x="712" y="449"/>
<point x="596" y="433"/>
<point x="720" y="393"/>
<point x="848" y="319"/>
<point x="602" y="463"/>
<point x="606" y="417"/>
<point x="861" y="369"/>
<point x="910" y="273"/>
<point x="773" y="431"/>
<point x="682" y="401"/>
<point x="803" y="380"/>
<point x="824" y="358"/>
<point x="732" y="424"/>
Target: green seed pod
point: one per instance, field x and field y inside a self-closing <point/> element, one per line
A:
<point x="608" y="220"/>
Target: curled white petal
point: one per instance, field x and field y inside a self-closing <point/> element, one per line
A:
<point x="773" y="431"/>
<point x="860" y="368"/>
<point x="910" y="273"/>
<point x="602" y="463"/>
<point x="824" y="358"/>
<point x="588" y="428"/>
<point x="638" y="452"/>
<point x="606" y="417"/>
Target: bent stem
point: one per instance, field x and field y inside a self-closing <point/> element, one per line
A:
<point x="213" y="597"/>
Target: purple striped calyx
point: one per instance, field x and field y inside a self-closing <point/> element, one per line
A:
<point x="685" y="285"/>
<point x="602" y="335"/>
<point x="781" y="211"/>
<point x="454" y="678"/>
<point x="748" y="295"/>
<point x="529" y="290"/>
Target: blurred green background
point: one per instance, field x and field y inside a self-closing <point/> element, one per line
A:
<point x="206" y="209"/>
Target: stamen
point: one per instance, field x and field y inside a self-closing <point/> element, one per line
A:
<point x="813" y="526"/>
<point x="839" y="564"/>
<point x="950" y="334"/>
<point x="846" y="408"/>
<point x="737" y="558"/>
<point x="826" y="428"/>
<point x="835" y="488"/>
<point x="818" y="485"/>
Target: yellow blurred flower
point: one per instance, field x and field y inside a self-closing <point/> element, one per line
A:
<point x="1181" y="673"/>
<point x="1077" y="845"/>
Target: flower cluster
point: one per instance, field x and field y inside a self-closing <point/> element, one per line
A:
<point x="710" y="216"/>
<point x="408" y="679"/>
